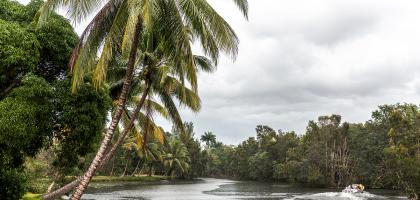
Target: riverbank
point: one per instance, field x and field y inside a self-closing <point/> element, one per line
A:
<point x="141" y="178"/>
<point x="37" y="186"/>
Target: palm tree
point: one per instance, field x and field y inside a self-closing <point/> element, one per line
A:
<point x="161" y="83"/>
<point x="147" y="141"/>
<point x="209" y="138"/>
<point x="120" y="23"/>
<point x="176" y="157"/>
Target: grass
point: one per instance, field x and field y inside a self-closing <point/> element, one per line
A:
<point x="31" y="196"/>
<point x="40" y="185"/>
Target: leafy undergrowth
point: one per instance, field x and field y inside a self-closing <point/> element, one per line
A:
<point x="38" y="185"/>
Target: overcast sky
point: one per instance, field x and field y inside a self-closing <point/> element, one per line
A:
<point x="299" y="59"/>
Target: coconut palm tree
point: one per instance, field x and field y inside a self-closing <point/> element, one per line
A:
<point x="176" y="157"/>
<point x="159" y="82"/>
<point x="119" y="24"/>
<point x="162" y="83"/>
<point x="147" y="140"/>
<point x="209" y="138"/>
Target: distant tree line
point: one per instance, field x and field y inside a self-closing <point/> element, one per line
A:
<point x="383" y="152"/>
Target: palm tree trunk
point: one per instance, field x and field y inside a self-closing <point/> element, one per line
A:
<point x="150" y="170"/>
<point x="135" y="169"/>
<point x="51" y="187"/>
<point x="61" y="191"/>
<point x="77" y="195"/>
<point x="141" y="170"/>
<point x="125" y="169"/>
<point x="127" y="129"/>
<point x="112" y="168"/>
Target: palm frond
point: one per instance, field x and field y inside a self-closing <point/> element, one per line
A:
<point x="45" y="10"/>
<point x="243" y="6"/>
<point x="157" y="107"/>
<point x="81" y="9"/>
<point x="172" y="110"/>
<point x="204" y="64"/>
<point x="112" y="42"/>
<point x="185" y="95"/>
<point x="85" y="53"/>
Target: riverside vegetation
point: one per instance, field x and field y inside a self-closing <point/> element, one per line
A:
<point x="134" y="64"/>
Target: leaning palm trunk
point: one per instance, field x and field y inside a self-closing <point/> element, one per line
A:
<point x="67" y="188"/>
<point x="117" y="116"/>
<point x="127" y="129"/>
<point x="135" y="169"/>
<point x="61" y="191"/>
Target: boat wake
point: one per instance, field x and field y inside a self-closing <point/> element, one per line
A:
<point x="337" y="195"/>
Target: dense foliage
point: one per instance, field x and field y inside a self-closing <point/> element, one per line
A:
<point x="24" y="125"/>
<point x="383" y="152"/>
<point x="78" y="124"/>
<point x="37" y="109"/>
<point x="57" y="39"/>
<point x="19" y="53"/>
<point x="24" y="48"/>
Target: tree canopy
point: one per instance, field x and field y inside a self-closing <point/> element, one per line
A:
<point x="37" y="109"/>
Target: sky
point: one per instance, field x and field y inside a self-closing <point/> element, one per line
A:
<point x="300" y="59"/>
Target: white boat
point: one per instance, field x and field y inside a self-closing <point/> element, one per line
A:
<point x="354" y="188"/>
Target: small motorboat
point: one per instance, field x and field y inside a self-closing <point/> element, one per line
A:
<point x="354" y="188"/>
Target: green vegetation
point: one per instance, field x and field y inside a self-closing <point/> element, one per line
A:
<point x="31" y="196"/>
<point x="135" y="65"/>
<point x="132" y="53"/>
<point x="140" y="34"/>
<point x="37" y="110"/>
<point x="380" y="153"/>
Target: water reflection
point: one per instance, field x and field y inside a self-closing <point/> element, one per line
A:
<point x="227" y="189"/>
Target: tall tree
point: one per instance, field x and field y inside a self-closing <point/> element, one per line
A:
<point x="403" y="152"/>
<point x="168" y="17"/>
<point x="25" y="118"/>
<point x="156" y="80"/>
<point x="197" y="164"/>
<point x="176" y="157"/>
<point x="27" y="57"/>
<point x="209" y="138"/>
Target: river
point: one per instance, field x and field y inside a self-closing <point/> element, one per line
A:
<point x="209" y="188"/>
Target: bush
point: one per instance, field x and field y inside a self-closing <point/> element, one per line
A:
<point x="12" y="184"/>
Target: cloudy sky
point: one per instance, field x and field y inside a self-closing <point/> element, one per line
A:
<point x="299" y="59"/>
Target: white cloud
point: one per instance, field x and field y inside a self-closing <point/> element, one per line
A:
<point x="301" y="59"/>
<point x="304" y="58"/>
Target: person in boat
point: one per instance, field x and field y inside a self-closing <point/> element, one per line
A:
<point x="354" y="188"/>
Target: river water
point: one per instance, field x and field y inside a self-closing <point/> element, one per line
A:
<point x="210" y="188"/>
